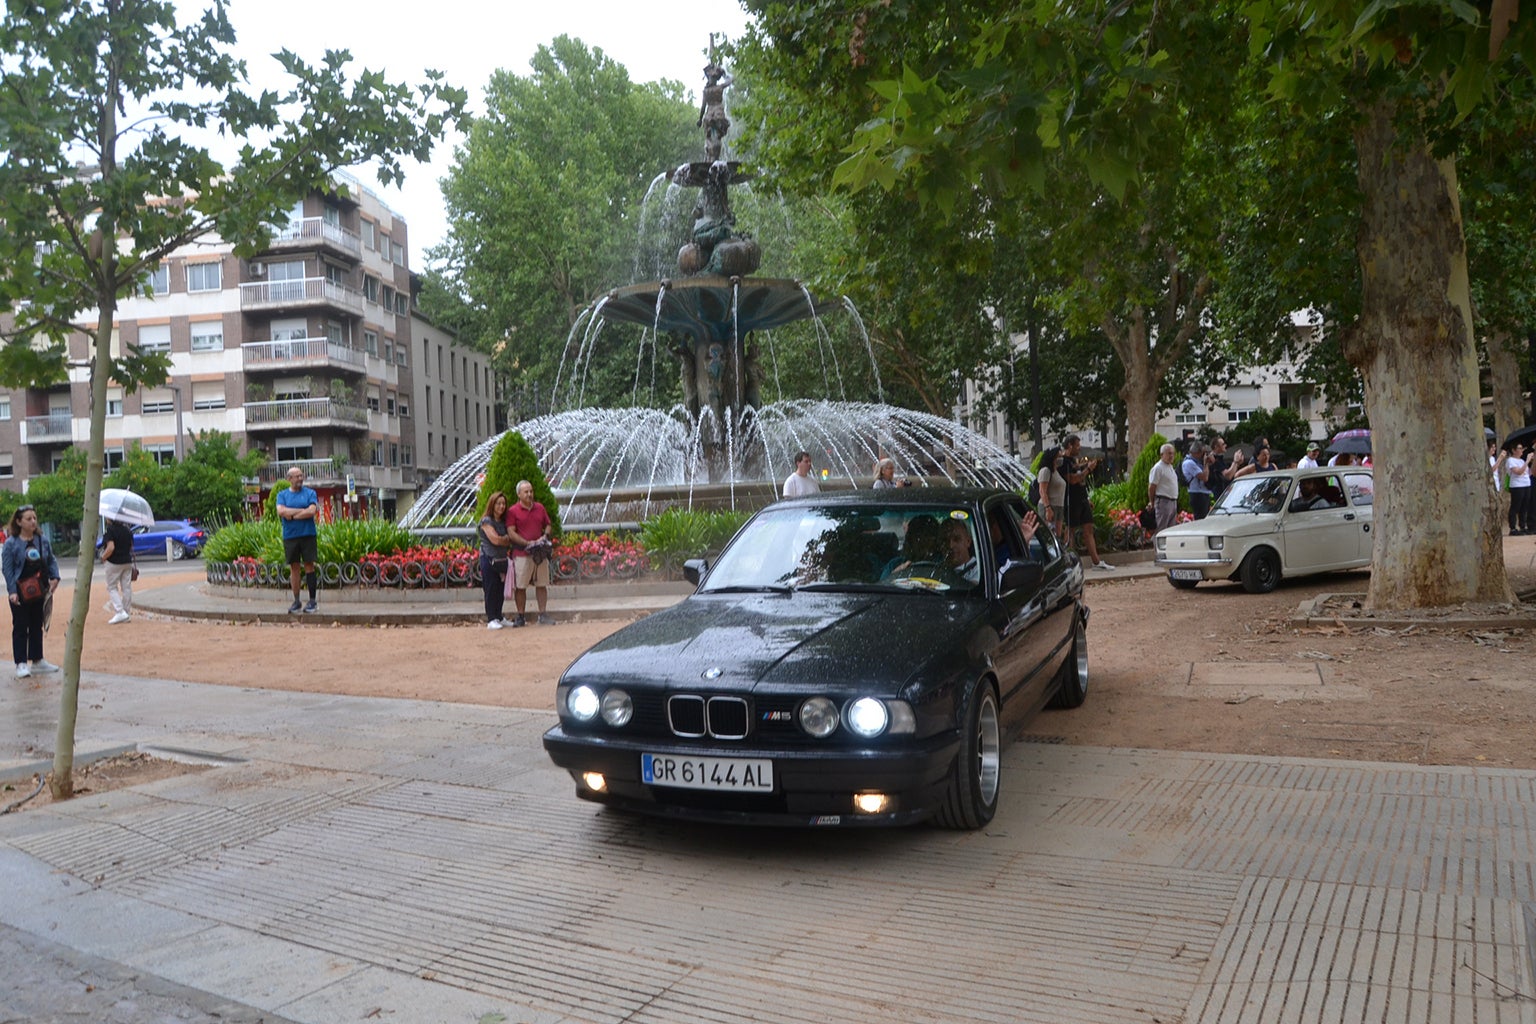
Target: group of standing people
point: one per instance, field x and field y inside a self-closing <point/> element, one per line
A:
<point x="1514" y="465"/>
<point x="1064" y="499"/>
<point x="515" y="545"/>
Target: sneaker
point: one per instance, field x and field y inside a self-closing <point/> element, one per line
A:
<point x="494" y="624"/>
<point x="1103" y="567"/>
<point x="44" y="666"/>
<point x="294" y="608"/>
<point x="545" y="620"/>
<point x="23" y="670"/>
<point x="119" y="617"/>
<point x="520" y="621"/>
<point x="507" y="623"/>
<point x="310" y="607"/>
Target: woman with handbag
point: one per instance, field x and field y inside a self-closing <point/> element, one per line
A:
<point x="31" y="575"/>
<point x="494" y="543"/>
<point x="117" y="556"/>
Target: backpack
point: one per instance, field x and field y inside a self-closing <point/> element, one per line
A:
<point x="1047" y="465"/>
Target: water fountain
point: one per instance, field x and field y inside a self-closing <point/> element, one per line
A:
<point x="722" y="445"/>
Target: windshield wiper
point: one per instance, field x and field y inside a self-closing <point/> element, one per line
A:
<point x="754" y="588"/>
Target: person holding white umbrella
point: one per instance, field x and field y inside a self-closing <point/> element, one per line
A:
<point x="117" y="556"/>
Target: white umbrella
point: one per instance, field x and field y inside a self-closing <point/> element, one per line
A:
<point x="125" y="506"/>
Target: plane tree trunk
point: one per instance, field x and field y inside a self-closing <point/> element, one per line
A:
<point x="1438" y="540"/>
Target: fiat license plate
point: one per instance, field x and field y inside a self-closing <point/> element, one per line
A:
<point x="733" y="774"/>
<point x="1185" y="574"/>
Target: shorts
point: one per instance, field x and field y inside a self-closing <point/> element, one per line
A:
<point x="300" y="549"/>
<point x="1079" y="512"/>
<point x="527" y="574"/>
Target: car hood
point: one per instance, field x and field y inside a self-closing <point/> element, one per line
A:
<point x="1242" y="524"/>
<point x="787" y="641"/>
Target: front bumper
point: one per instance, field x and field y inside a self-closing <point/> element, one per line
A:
<point x="811" y="786"/>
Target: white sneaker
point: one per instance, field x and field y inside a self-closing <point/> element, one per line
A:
<point x="507" y="623"/>
<point x="494" y="624"/>
<point x="119" y="617"/>
<point x="1103" y="567"/>
<point x="44" y="666"/>
<point x="23" y="670"/>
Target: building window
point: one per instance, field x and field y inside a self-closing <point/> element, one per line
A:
<point x="334" y="274"/>
<point x="369" y="228"/>
<point x="158" y="400"/>
<point x="294" y="449"/>
<point x="400" y="355"/>
<point x="376" y="454"/>
<point x="383" y="245"/>
<point x="405" y="411"/>
<point x="114" y="458"/>
<point x="402" y="303"/>
<point x="371" y="342"/>
<point x="114" y="401"/>
<point x="388" y="299"/>
<point x="158" y="282"/>
<point x="371" y="289"/>
<point x="1185" y="419"/>
<point x="165" y="454"/>
<point x="397" y="252"/>
<point x="205" y="277"/>
<point x="208" y="337"/>
<point x="429" y="404"/>
<point x="373" y="400"/>
<point x="5" y="408"/>
<point x="389" y="404"/>
<point x="1240" y="415"/>
<point x="389" y="351"/>
<point x="154" y="337"/>
<point x="208" y="395"/>
<point x="407" y="457"/>
<point x="430" y="445"/>
<point x="7" y="466"/>
<point x="394" y="455"/>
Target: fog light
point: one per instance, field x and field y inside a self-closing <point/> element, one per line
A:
<point x="594" y="781"/>
<point x="871" y="803"/>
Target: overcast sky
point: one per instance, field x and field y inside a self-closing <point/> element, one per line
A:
<point x="467" y="40"/>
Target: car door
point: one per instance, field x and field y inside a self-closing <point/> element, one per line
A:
<point x="1038" y="616"/>
<point x="1317" y="539"/>
<point x="1360" y="490"/>
<point x="143" y="540"/>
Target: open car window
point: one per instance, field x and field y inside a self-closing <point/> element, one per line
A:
<point x="1255" y="494"/>
<point x="837" y="547"/>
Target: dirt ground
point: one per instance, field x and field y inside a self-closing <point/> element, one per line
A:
<point x="1213" y="669"/>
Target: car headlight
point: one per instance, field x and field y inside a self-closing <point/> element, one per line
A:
<point x="617" y="708"/>
<point x="1162" y="543"/>
<point x="867" y="717"/>
<point x="818" y="717"/>
<point x="582" y="703"/>
<point x="1215" y="543"/>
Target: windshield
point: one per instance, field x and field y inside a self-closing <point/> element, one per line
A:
<point x="1257" y="493"/>
<point x="839" y="548"/>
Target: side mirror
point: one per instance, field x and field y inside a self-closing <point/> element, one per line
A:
<point x="1019" y="575"/>
<point x="695" y="569"/>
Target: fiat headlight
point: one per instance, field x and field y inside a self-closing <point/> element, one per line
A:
<point x="818" y="717"/>
<point x="1215" y="543"/>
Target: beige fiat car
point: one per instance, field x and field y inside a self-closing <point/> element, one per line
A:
<point x="1272" y="526"/>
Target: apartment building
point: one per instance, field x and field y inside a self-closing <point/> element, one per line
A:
<point x="454" y="399"/>
<point x="305" y="353"/>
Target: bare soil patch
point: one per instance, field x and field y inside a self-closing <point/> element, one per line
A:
<point x="121" y="771"/>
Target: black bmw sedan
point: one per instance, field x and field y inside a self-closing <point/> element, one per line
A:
<point x="850" y="659"/>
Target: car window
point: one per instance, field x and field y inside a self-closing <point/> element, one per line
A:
<point x="1361" y="488"/>
<point x="1252" y="494"/>
<point x="842" y="547"/>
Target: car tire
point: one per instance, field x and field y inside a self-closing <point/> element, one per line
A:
<point x="1260" y="571"/>
<point x="1182" y="584"/>
<point x="975" y="779"/>
<point x="1072" y="680"/>
<point x="178" y="550"/>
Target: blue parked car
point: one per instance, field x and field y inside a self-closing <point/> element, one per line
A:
<point x="187" y="538"/>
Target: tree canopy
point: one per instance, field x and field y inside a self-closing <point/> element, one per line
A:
<point x="101" y="102"/>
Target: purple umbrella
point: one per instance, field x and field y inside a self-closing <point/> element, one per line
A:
<point x="1356" y="442"/>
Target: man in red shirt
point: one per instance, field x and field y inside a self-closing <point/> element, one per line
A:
<point x="528" y="522"/>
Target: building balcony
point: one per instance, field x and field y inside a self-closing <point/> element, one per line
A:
<point x="300" y="354"/>
<point x="318" y="472"/>
<point x="313" y="233"/>
<point x="305" y="414"/>
<point x="297" y="295"/>
<point x="55" y="428"/>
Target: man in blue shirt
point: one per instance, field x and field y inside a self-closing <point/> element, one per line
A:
<point x="298" y="507"/>
<point x="1196" y="470"/>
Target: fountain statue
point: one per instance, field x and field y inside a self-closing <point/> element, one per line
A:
<point x="722" y="442"/>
